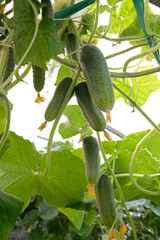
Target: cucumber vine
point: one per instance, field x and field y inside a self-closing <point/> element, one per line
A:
<point x="77" y="73"/>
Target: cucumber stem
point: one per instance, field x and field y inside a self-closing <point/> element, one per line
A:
<point x="134" y="74"/>
<point x="134" y="156"/>
<point x="65" y="62"/>
<point x="126" y="50"/>
<point x="117" y="185"/>
<point x="76" y="32"/>
<point x="148" y="51"/>
<point x="137" y="107"/>
<point x="28" y="49"/>
<point x="8" y="119"/>
<point x="50" y="139"/>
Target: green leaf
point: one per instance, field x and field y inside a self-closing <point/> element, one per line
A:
<point x="62" y="73"/>
<point x="59" y="146"/>
<point x="47" y="212"/>
<point x="65" y="183"/>
<point x="90" y="217"/>
<point x="75" y="216"/>
<point x="66" y="130"/>
<point x="113" y="2"/>
<point x="146" y="163"/>
<point x="3" y="116"/>
<point x="75" y="116"/>
<point x="103" y="8"/>
<point x="141" y="87"/>
<point x="10" y="208"/>
<point x="46" y="44"/>
<point x="30" y="217"/>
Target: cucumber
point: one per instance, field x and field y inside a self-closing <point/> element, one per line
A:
<point x="95" y="70"/>
<point x="47" y="11"/>
<point x="58" y="98"/>
<point x="105" y="201"/>
<point x="72" y="44"/>
<point x="90" y="111"/>
<point x="38" y="77"/>
<point x="91" y="156"/>
<point x="9" y="65"/>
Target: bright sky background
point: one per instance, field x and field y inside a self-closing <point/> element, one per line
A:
<point x="26" y="115"/>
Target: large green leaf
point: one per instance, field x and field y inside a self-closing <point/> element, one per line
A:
<point x="75" y="216"/>
<point x="141" y="87"/>
<point x="65" y="183"/>
<point x="46" y="44"/>
<point x="10" y="208"/>
<point x="145" y="165"/>
<point x="135" y="29"/>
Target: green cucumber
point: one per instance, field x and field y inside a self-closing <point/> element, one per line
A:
<point x="90" y="111"/>
<point x="105" y="201"/>
<point x="38" y="77"/>
<point x="95" y="70"/>
<point x="72" y="45"/>
<point x="47" y="11"/>
<point x="58" y="98"/>
<point x="91" y="156"/>
<point x="9" y="65"/>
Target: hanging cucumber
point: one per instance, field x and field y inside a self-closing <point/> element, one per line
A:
<point x="105" y="201"/>
<point x="38" y="81"/>
<point x="72" y="45"/>
<point x="95" y="69"/>
<point x="92" y="164"/>
<point x="47" y="11"/>
<point x="90" y="111"/>
<point x="58" y="98"/>
<point x="10" y="64"/>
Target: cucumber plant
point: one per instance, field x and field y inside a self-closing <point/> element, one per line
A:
<point x="59" y="176"/>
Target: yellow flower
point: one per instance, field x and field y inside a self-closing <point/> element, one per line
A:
<point x="39" y="99"/>
<point x="91" y="190"/>
<point x="42" y="126"/>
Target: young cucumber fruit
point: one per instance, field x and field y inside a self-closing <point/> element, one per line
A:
<point x="72" y="45"/>
<point x="10" y="64"/>
<point x="95" y="70"/>
<point x="47" y="11"/>
<point x="105" y="201"/>
<point x="38" y="77"/>
<point x="90" y="111"/>
<point x="91" y="157"/>
<point x="58" y="98"/>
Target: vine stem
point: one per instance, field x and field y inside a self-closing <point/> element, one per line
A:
<point x="126" y="50"/>
<point x="134" y="74"/>
<point x="18" y="78"/>
<point x="134" y="156"/>
<point x="136" y="175"/>
<point x="140" y="55"/>
<point x="117" y="185"/>
<point x="138" y="107"/>
<point x="8" y="117"/>
<point x="96" y="23"/>
<point x="76" y="33"/>
<point x="65" y="62"/>
<point x="28" y="49"/>
<point x="121" y="39"/>
<point x="50" y="139"/>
